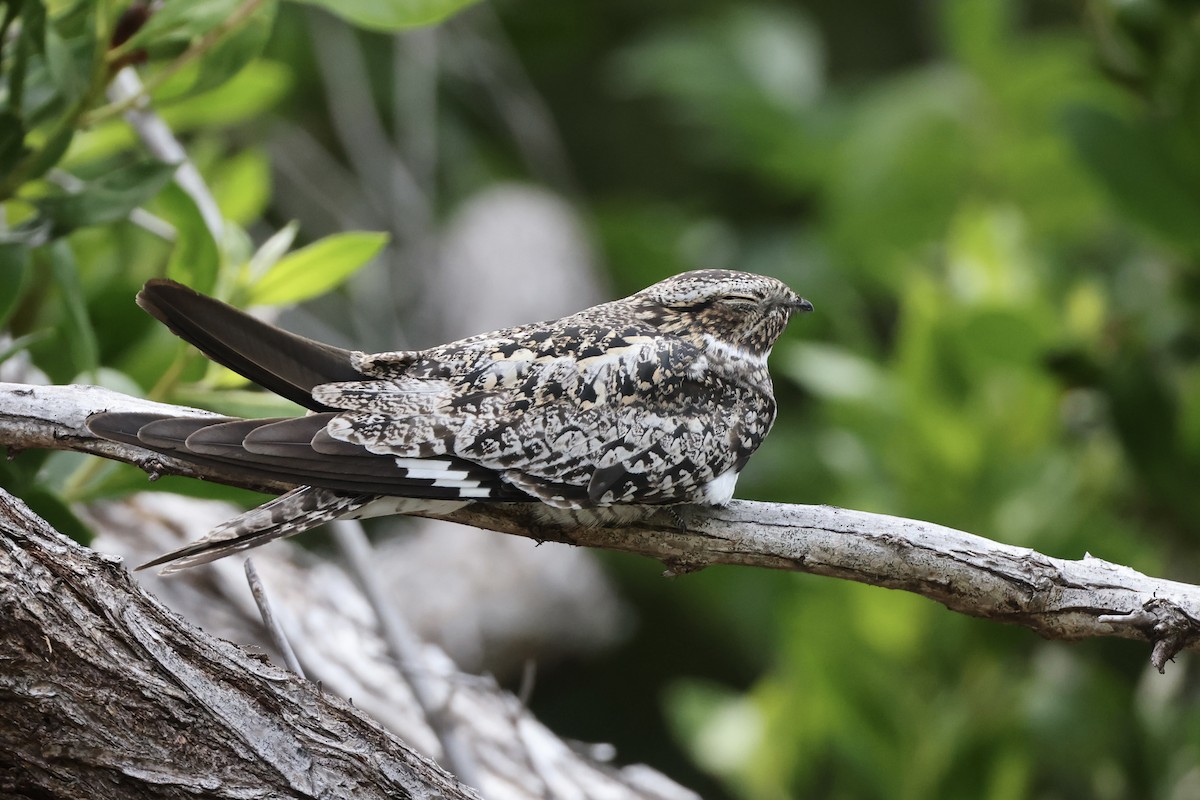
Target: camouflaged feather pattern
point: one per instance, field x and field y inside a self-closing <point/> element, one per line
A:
<point x="659" y="398"/>
<point x="645" y="400"/>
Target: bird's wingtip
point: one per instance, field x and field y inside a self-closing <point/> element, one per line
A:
<point x="157" y="287"/>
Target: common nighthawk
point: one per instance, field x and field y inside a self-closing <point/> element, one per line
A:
<point x="656" y="399"/>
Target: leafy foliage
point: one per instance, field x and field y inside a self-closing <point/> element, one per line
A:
<point x="995" y="207"/>
<point x="314" y="270"/>
<point x="1002" y="241"/>
<point x="96" y="201"/>
<point x="391" y="15"/>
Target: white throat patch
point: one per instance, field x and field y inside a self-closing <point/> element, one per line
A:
<point x="719" y="491"/>
<point x="732" y="351"/>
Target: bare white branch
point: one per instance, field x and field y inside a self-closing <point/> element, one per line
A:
<point x="274" y="629"/>
<point x="161" y="142"/>
<point x="1057" y="598"/>
<point x="405" y="648"/>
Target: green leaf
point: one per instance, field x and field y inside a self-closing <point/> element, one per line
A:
<point x="272" y="250"/>
<point x="900" y="169"/>
<point x="64" y="70"/>
<point x="31" y="39"/>
<point x="1145" y="411"/>
<point x="1136" y="164"/>
<point x="391" y="15"/>
<point x="107" y="199"/>
<point x="50" y="153"/>
<point x="834" y="373"/>
<point x="110" y="378"/>
<point x="236" y="50"/>
<point x="12" y="142"/>
<point x="181" y="21"/>
<point x="247" y="95"/>
<point x="241" y="185"/>
<point x="77" y="325"/>
<point x="33" y="24"/>
<point x="978" y="31"/>
<point x="314" y="270"/>
<point x="237" y="402"/>
<point x="196" y="257"/>
<point x="722" y="728"/>
<point x="51" y="72"/>
<point x="23" y="343"/>
<point x="744" y="82"/>
<point x="125" y="479"/>
<point x="14" y="269"/>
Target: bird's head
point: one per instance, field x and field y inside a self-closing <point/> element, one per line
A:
<point x="740" y="309"/>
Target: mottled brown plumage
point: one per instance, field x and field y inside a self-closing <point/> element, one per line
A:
<point x="656" y="399"/>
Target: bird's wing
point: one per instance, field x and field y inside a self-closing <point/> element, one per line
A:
<point x="298" y="451"/>
<point x="636" y="419"/>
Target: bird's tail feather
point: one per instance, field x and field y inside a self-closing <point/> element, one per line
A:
<point x="287" y="364"/>
<point x="287" y="515"/>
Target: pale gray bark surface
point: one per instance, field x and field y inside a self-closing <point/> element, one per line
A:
<point x="1058" y="598"/>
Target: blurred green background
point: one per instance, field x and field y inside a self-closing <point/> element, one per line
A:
<point x="995" y="207"/>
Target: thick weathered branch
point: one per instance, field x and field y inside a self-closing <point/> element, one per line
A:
<point x="82" y="669"/>
<point x="1058" y="598"/>
<point x="108" y="694"/>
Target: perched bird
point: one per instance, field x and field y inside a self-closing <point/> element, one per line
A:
<point x="657" y="399"/>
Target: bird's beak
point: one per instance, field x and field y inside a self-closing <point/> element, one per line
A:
<point x="800" y="306"/>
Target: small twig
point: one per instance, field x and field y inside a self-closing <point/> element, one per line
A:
<point x="274" y="629"/>
<point x="405" y="646"/>
<point x="161" y="142"/>
<point x="123" y="103"/>
<point x="387" y="179"/>
<point x="528" y="680"/>
<point x="486" y="55"/>
<point x="415" y="104"/>
<point x="139" y="216"/>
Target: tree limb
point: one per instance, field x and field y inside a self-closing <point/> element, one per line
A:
<point x="1058" y="598"/>
<point x="108" y="694"/>
<point x="335" y="637"/>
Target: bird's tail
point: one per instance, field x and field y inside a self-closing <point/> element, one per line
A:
<point x="283" y="362"/>
<point x="287" y="515"/>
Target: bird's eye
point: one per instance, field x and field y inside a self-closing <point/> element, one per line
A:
<point x="690" y="305"/>
<point x="738" y="301"/>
